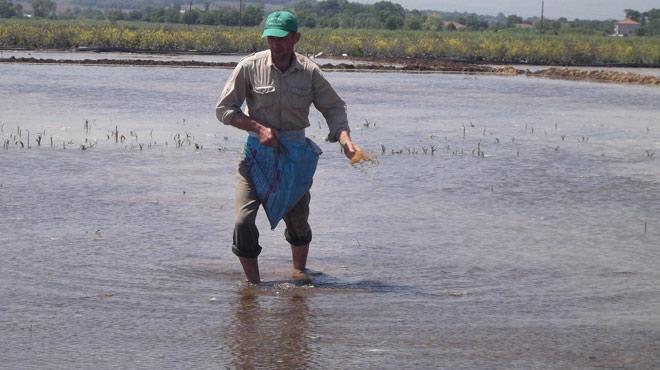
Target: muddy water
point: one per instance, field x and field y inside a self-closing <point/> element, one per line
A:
<point x="505" y="222"/>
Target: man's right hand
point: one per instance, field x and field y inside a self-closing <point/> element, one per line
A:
<point x="267" y="136"/>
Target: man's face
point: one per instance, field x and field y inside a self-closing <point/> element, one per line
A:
<point x="281" y="48"/>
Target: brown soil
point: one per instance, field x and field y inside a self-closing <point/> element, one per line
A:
<point x="422" y="65"/>
<point x="596" y="75"/>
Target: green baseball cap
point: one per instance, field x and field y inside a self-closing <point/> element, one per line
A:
<point x="280" y="23"/>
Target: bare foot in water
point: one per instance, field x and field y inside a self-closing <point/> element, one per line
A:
<point x="301" y="276"/>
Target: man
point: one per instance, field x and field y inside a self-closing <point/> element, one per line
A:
<point x="278" y="85"/>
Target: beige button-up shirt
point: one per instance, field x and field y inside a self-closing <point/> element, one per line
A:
<point x="281" y="100"/>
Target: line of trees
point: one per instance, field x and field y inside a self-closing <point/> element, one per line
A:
<point x="226" y="16"/>
<point x="40" y="8"/>
<point x="329" y="14"/>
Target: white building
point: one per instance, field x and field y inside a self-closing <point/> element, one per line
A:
<point x="625" y="27"/>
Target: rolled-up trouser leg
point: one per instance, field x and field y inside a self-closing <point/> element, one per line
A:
<point x="246" y="205"/>
<point x="298" y="233"/>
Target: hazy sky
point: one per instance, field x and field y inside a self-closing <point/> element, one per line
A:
<point x="571" y="9"/>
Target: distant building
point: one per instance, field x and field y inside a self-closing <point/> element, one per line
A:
<point x="453" y="25"/>
<point x="625" y="27"/>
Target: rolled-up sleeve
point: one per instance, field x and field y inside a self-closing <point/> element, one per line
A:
<point x="328" y="102"/>
<point x="233" y="96"/>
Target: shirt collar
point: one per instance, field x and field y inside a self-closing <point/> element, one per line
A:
<point x="295" y="63"/>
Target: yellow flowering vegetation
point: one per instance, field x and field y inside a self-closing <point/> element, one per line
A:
<point x="496" y="47"/>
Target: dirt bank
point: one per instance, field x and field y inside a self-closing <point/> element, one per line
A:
<point x="596" y="75"/>
<point x="133" y="62"/>
<point x="401" y="66"/>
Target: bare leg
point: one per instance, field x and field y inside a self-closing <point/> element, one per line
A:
<point x="251" y="269"/>
<point x="299" y="256"/>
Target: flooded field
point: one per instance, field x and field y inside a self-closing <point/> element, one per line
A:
<point x="504" y="223"/>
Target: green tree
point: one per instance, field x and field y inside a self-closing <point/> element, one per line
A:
<point x="89" y="13"/>
<point x="9" y="9"/>
<point x="329" y="22"/>
<point x="229" y="17"/>
<point x="634" y="15"/>
<point x="653" y="14"/>
<point x="432" y="23"/>
<point x="114" y="15"/>
<point x="651" y="25"/>
<point x="135" y="15"/>
<point x="154" y="15"/>
<point x="208" y="17"/>
<point x="172" y="14"/>
<point x="191" y="16"/>
<point x="43" y="8"/>
<point x="390" y="14"/>
<point x="414" y="20"/>
<point x="473" y="22"/>
<point x="367" y="20"/>
<point x="329" y="8"/>
<point x="71" y="13"/>
<point x="306" y="19"/>
<point x="305" y="6"/>
<point x="512" y="20"/>
<point x="413" y="23"/>
<point x="252" y="16"/>
<point x="592" y="27"/>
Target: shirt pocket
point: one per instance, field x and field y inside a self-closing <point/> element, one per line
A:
<point x="264" y="96"/>
<point x="300" y="97"/>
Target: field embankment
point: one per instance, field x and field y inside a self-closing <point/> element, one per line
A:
<point x="595" y="75"/>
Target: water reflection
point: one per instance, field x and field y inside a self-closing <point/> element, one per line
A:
<point x="271" y="328"/>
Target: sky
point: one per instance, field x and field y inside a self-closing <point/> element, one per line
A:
<point x="571" y="9"/>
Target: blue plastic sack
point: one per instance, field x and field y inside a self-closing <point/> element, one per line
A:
<point x="281" y="176"/>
